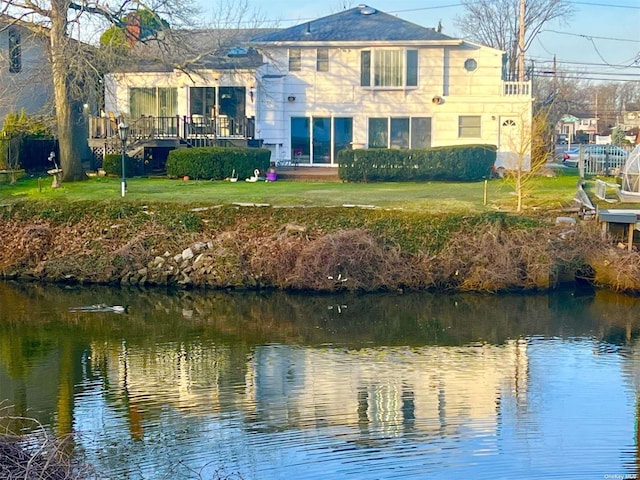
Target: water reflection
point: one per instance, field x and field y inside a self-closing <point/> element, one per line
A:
<point x="284" y="386"/>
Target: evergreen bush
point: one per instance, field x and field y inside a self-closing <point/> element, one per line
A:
<point x="452" y="163"/>
<point x="217" y="163"/>
<point x="112" y="165"/>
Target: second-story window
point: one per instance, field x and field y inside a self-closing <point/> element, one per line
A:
<point x="386" y="68"/>
<point x="295" y="60"/>
<point x="322" y="60"/>
<point x="15" y="54"/>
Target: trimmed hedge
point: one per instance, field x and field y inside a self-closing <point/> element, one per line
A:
<point x="217" y="163"/>
<point x="453" y="163"/>
<point x="112" y="165"/>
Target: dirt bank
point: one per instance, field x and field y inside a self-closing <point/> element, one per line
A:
<point x="319" y="249"/>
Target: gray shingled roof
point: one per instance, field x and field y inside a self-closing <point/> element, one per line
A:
<point x="225" y="49"/>
<point x="360" y="24"/>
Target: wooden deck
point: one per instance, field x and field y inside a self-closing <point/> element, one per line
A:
<point x="306" y="173"/>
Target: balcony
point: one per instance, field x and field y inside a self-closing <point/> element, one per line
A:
<point x="516" y="88"/>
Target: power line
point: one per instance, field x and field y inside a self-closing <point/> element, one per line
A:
<point x="569" y="62"/>
<point x="607" y="5"/>
<point x="589" y="37"/>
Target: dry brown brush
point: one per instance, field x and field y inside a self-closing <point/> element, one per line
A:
<point x="38" y="455"/>
<point x="350" y="260"/>
<point x="316" y="251"/>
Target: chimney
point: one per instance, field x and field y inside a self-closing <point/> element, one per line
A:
<point x="132" y="29"/>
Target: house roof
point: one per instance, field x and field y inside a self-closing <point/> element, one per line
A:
<point x="360" y="24"/>
<point x="223" y="49"/>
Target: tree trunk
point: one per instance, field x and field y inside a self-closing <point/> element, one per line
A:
<point x="519" y="192"/>
<point x="69" y="161"/>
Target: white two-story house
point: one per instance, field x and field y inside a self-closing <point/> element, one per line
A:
<point x="359" y="78"/>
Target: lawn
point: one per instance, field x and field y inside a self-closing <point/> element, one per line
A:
<point x="438" y="197"/>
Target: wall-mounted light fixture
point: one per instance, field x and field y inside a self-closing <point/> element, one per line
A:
<point x="291" y="98"/>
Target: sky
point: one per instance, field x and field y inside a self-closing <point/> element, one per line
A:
<point x="600" y="42"/>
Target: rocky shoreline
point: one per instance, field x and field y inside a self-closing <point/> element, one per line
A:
<point x="322" y="250"/>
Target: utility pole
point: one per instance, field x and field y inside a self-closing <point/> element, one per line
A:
<point x="521" y="43"/>
<point x="555" y="76"/>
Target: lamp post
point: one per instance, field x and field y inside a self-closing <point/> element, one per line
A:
<point x="123" y="132"/>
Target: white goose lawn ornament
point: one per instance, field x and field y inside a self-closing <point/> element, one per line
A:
<point x="254" y="178"/>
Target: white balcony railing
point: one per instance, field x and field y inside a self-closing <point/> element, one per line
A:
<point x="516" y="88"/>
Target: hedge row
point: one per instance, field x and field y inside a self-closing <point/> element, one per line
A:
<point x="112" y="165"/>
<point x="454" y="163"/>
<point x="217" y="163"/>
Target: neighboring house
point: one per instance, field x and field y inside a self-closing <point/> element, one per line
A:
<point x="26" y="84"/>
<point x="357" y="79"/>
<point x="25" y="72"/>
<point x="579" y="128"/>
<point x="631" y="116"/>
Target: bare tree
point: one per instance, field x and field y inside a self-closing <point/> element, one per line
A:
<point x="528" y="151"/>
<point x="560" y="95"/>
<point x="76" y="67"/>
<point x="496" y="23"/>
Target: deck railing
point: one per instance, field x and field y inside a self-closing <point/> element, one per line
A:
<point x="178" y="127"/>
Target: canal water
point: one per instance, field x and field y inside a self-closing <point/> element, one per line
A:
<point x="257" y="386"/>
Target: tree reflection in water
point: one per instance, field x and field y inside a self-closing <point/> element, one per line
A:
<point x="362" y="370"/>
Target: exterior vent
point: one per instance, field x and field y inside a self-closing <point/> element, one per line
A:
<point x="437" y="100"/>
<point x="366" y="10"/>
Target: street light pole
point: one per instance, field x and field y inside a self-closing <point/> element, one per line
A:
<point x="123" y="132"/>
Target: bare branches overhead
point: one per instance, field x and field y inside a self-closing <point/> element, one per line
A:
<point x="495" y="22"/>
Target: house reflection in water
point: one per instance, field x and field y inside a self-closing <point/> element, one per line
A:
<point x="371" y="392"/>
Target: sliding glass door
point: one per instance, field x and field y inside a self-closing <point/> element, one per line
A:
<point x="317" y="140"/>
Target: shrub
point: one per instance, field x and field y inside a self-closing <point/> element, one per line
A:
<point x="17" y="132"/>
<point x="217" y="163"/>
<point x="112" y="165"/>
<point x="454" y="163"/>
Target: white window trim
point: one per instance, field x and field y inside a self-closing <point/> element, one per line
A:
<point x="404" y="85"/>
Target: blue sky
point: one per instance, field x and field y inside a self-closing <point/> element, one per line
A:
<point x="600" y="39"/>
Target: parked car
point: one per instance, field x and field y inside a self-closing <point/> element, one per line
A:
<point x="596" y="155"/>
<point x="562" y="139"/>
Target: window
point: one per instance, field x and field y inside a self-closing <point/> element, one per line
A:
<point x="378" y="133"/>
<point x="412" y="68"/>
<point x="202" y="101"/>
<point x="470" y="65"/>
<point x="322" y="60"/>
<point x="155" y="102"/>
<point x="365" y="68"/>
<point x="469" y="126"/>
<point x="400" y="132"/>
<point x="389" y="68"/>
<point x="421" y="132"/>
<point x="15" y="54"/>
<point x="295" y="60"/>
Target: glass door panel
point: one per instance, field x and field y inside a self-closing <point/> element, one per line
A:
<point x="300" y="139"/>
<point x="321" y="140"/>
<point x="342" y="135"/>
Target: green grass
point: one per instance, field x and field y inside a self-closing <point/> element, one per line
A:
<point x="437" y="197"/>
